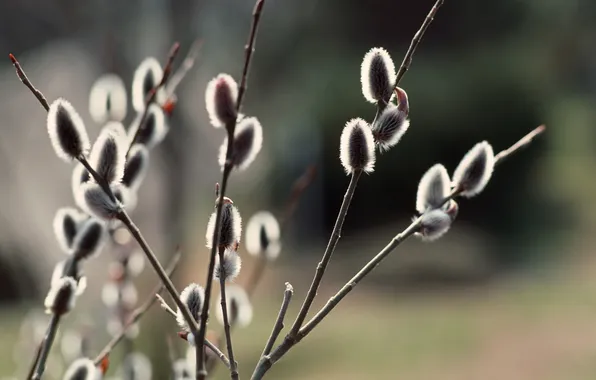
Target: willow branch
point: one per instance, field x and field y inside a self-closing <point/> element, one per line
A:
<point x="279" y="323"/>
<point x="226" y="320"/>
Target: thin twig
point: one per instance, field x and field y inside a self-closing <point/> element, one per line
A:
<point x="152" y="95"/>
<point x="164" y="305"/>
<point x="139" y="312"/>
<point x="266" y="362"/>
<point x="23" y="77"/>
<point x="249" y="49"/>
<point x="226" y="320"/>
<point x="46" y="346"/>
<point x="217" y="352"/>
<point x="298" y="189"/>
<point x="335" y="235"/>
<point x="279" y="323"/>
<point x="35" y="361"/>
<point x="187" y="64"/>
<point x="405" y="65"/>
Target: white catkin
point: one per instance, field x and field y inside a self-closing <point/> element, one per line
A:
<point x="433" y="188"/>
<point x="98" y="203"/>
<point x="229" y="268"/>
<point x="377" y="75"/>
<point x="239" y="308"/>
<point x="434" y="224"/>
<point x="82" y="369"/>
<point x="192" y="296"/>
<point x="220" y="100"/>
<point x="475" y="170"/>
<point x="90" y="239"/>
<point x="263" y="235"/>
<point x="230" y="227"/>
<point x="108" y="155"/>
<point x="66" y="130"/>
<point x="137" y="164"/>
<point x="66" y="223"/>
<point x="154" y="129"/>
<point x="107" y="99"/>
<point x="390" y="127"/>
<point x="61" y="296"/>
<point x="357" y="147"/>
<point x="146" y="77"/>
<point x="248" y="140"/>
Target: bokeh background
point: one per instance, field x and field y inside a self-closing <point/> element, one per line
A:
<point x="508" y="293"/>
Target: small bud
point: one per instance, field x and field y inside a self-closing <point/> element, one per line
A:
<point x="192" y="296"/>
<point x="146" y="77"/>
<point x="230" y="227"/>
<point x="107" y="100"/>
<point x="389" y="128"/>
<point x="153" y="130"/>
<point x="357" y="147"/>
<point x="98" y="203"/>
<point x="377" y="75"/>
<point x="434" y="224"/>
<point x="248" y="140"/>
<point x="60" y="272"/>
<point x="108" y="154"/>
<point x="433" y="188"/>
<point x="61" y="297"/>
<point x="220" y="99"/>
<point x="474" y="171"/>
<point x="66" y="224"/>
<point x="67" y="130"/>
<point x="238" y="305"/>
<point x="263" y="235"/>
<point x="136" y="167"/>
<point x="89" y="239"/>
<point x="82" y="369"/>
<point x="402" y="100"/>
<point x="229" y="268"/>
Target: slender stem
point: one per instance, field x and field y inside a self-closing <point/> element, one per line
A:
<point x="335" y="235"/>
<point x="279" y="323"/>
<point x="23" y="77"/>
<point x="35" y="361"/>
<point x="218" y="352"/>
<point x="46" y="346"/>
<point x="249" y="49"/>
<point x="226" y="320"/>
<point x="164" y="305"/>
<point x="187" y="64"/>
<point x="267" y="361"/>
<point x="152" y="95"/>
<point x="139" y="312"/>
<point x="407" y="62"/>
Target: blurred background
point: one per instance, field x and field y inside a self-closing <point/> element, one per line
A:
<point x="508" y="293"/>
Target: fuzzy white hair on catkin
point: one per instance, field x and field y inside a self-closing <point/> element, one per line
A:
<point x="377" y="75"/>
<point x="97" y="202"/>
<point x="108" y="155"/>
<point x="58" y="273"/>
<point x="82" y="369"/>
<point x="66" y="223"/>
<point x="66" y="130"/>
<point x="230" y="227"/>
<point x="390" y="127"/>
<point x="136" y="167"/>
<point x="220" y="100"/>
<point x="147" y="76"/>
<point x="239" y="308"/>
<point x="434" y="186"/>
<point x="434" y="224"/>
<point x="229" y="268"/>
<point x="475" y="170"/>
<point x="107" y="99"/>
<point x="248" y="141"/>
<point x="61" y="291"/>
<point x="263" y="235"/>
<point x="154" y="130"/>
<point x="192" y="296"/>
<point x="90" y="239"/>
<point x="357" y="147"/>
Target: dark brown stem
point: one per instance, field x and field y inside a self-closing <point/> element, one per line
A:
<point x="226" y="320"/>
<point x="407" y="62"/>
<point x="279" y="323"/>
<point x="267" y="361"/>
<point x="335" y="235"/>
<point x="46" y="346"/>
<point x="152" y="95"/>
<point x="23" y="77"/>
